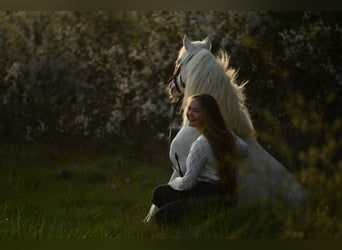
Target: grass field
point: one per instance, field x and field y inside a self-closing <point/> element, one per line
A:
<point x="46" y="194"/>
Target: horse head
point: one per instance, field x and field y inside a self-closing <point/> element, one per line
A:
<point x="197" y="70"/>
<point x="177" y="83"/>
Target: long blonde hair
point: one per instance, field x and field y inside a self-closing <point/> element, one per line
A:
<point x="221" y="141"/>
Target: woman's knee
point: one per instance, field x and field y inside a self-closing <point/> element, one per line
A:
<point x="160" y="190"/>
<point x="159" y="194"/>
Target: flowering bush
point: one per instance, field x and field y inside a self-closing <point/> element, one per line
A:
<point x="75" y="76"/>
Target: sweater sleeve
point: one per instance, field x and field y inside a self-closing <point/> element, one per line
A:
<point x="194" y="165"/>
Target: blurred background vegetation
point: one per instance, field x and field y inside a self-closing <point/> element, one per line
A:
<point x="97" y="78"/>
<point x="95" y="81"/>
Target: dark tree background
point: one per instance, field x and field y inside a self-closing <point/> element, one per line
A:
<point x="96" y="79"/>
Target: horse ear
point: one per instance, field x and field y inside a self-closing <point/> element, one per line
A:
<point x="207" y="42"/>
<point x="186" y="42"/>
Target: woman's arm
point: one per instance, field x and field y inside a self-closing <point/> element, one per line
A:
<point x="174" y="175"/>
<point x="194" y="165"/>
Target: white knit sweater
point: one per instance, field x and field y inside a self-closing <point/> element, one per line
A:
<point x="200" y="164"/>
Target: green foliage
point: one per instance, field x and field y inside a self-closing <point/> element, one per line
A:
<point x="91" y="76"/>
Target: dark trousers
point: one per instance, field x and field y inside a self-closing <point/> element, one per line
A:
<point x="173" y="204"/>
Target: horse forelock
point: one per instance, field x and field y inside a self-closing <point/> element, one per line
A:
<point x="205" y="73"/>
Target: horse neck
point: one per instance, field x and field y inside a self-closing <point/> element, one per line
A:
<point x="213" y="80"/>
<point x="239" y="121"/>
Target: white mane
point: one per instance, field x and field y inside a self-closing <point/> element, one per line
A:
<point x="205" y="73"/>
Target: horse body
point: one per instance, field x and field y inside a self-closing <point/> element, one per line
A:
<point x="263" y="180"/>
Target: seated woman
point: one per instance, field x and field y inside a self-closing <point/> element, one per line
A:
<point x="210" y="165"/>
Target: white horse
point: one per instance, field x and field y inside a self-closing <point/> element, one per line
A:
<point x="261" y="178"/>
